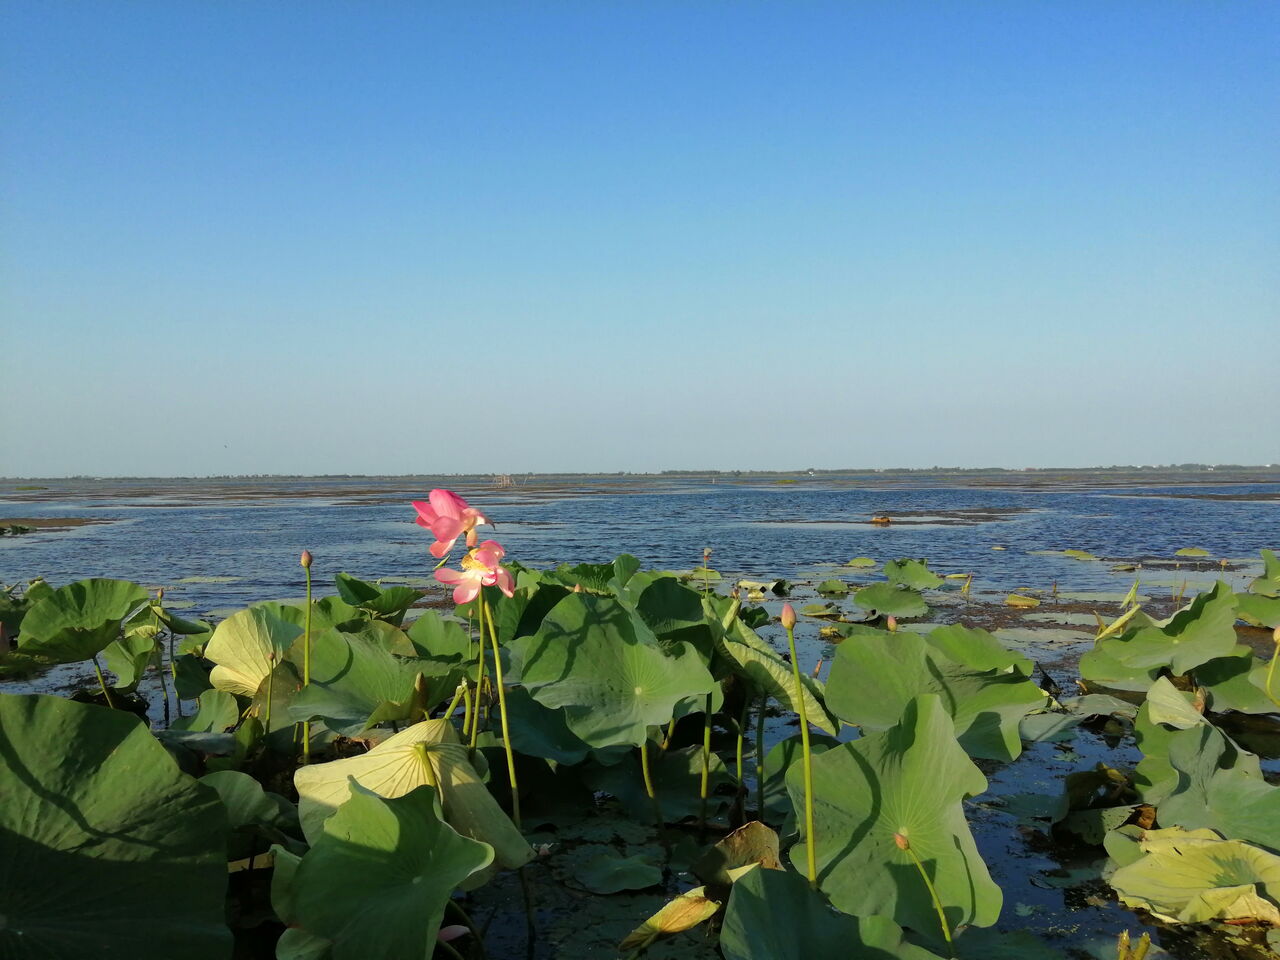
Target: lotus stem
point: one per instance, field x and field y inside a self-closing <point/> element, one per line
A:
<point x="466" y="705"/>
<point x="306" y="660"/>
<point x="106" y="694"/>
<point x="487" y="616"/>
<point x="428" y="771"/>
<point x="468" y="922"/>
<point x="453" y="704"/>
<point x="1271" y="670"/>
<point x="706" y="763"/>
<point x="648" y="784"/>
<point x="742" y="738"/>
<point x="164" y="687"/>
<point x="475" y="716"/>
<point x="764" y="704"/>
<point x="449" y="949"/>
<point x="271" y="682"/>
<point x="173" y="671"/>
<point x="811" y="841"/>
<point x="671" y="729"/>
<point x="905" y="844"/>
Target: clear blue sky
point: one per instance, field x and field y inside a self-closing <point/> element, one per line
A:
<point x="418" y="237"/>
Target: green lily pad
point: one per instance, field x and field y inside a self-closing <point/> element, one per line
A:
<point x="607" y="872"/>
<point x="605" y="668"/>
<point x="912" y="573"/>
<point x="216" y="711"/>
<point x="875" y="676"/>
<point x="891" y="600"/>
<point x="765" y="670"/>
<point x="861" y="563"/>
<point x="101" y="837"/>
<point x="1258" y="610"/>
<point x="1197" y="879"/>
<point x="773" y="915"/>
<point x="1236" y="683"/>
<point x="129" y="657"/>
<point x="245" y="647"/>
<point x="77" y="621"/>
<point x="1191" y="552"/>
<point x="425" y="753"/>
<point x="392" y="863"/>
<point x="387" y="604"/>
<point x="908" y="780"/>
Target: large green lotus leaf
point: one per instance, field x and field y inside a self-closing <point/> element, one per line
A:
<point x="1220" y="788"/>
<point x="768" y="672"/>
<point x="1104" y="666"/>
<point x="874" y="677"/>
<point x="244" y="648"/>
<point x="437" y="638"/>
<point x="326" y="613"/>
<point x="773" y="915"/>
<point x="538" y="731"/>
<point x="891" y="600"/>
<point x="1236" y="683"/>
<point x="1197" y="633"/>
<point x="667" y="605"/>
<point x="389" y="603"/>
<point x="605" y="871"/>
<point x="912" y="573"/>
<point x="908" y="780"/>
<point x="257" y="818"/>
<point x="780" y="758"/>
<point x="356" y="683"/>
<point x="216" y="711"/>
<point x="76" y="621"/>
<point x="106" y="849"/>
<point x="1268" y="585"/>
<point x="376" y="882"/>
<point x="1196" y="879"/>
<point x="1258" y="610"/>
<point x="752" y="844"/>
<point x="605" y="668"/>
<point x="976" y="648"/>
<point x="425" y="753"/>
<point x="129" y="657"/>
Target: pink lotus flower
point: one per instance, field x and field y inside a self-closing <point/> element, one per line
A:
<point x="448" y="517"/>
<point x="481" y="567"/>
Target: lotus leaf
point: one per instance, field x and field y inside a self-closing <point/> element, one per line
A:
<point x="101" y="837"/>
<point x="912" y="573"/>
<point x="257" y="818"/>
<point x="604" y="871"/>
<point x="1196" y="879"/>
<point x="683" y="913"/>
<point x="355" y="684"/>
<point x="667" y="606"/>
<point x="862" y="563"/>
<point x="1021" y="601"/>
<point x="891" y="600"/>
<point x="976" y="648"/>
<point x="129" y="657"/>
<point x="425" y="753"/>
<point x="392" y="864"/>
<point x="874" y="678"/>
<point x="772" y="915"/>
<point x="780" y="758"/>
<point x="1236" y="683"/>
<point x="833" y="588"/>
<point x="245" y="647"/>
<point x="908" y="780"/>
<point x="604" y="666"/>
<point x="1196" y="634"/>
<point x="216" y="711"/>
<point x="75" y="622"/>
<point x="1258" y="610"/>
<point x="1191" y="552"/>
<point x="753" y="844"/>
<point x="436" y="638"/>
<point x="387" y="604"/>
<point x="1268" y="585"/>
<point x="1220" y="787"/>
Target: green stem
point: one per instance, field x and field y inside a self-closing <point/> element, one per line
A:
<point x="106" y="694"/>
<point x="648" y="784"/>
<point x="306" y="673"/>
<point x="810" y="839"/>
<point x="466" y="705"/>
<point x="487" y="616"/>
<point x="271" y="682"/>
<point x="706" y="763"/>
<point x="937" y="904"/>
<point x="164" y="687"/>
<point x="1271" y="670"/>
<point x="173" y="670"/>
<point x="453" y="704"/>
<point x="764" y="704"/>
<point x="671" y="729"/>
<point x="449" y="950"/>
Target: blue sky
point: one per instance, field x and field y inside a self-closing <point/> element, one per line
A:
<point x="409" y="237"/>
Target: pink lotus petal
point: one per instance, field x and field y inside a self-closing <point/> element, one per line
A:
<point x="446" y="528"/>
<point x="449" y="575"/>
<point x="447" y="503"/>
<point x="452" y="932"/>
<point x="440" y="548"/>
<point x="504" y="582"/>
<point x="425" y="512"/>
<point x="466" y="592"/>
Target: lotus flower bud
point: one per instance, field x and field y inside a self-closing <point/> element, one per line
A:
<point x="160" y="594"/>
<point x="788" y="617"/>
<point x="306" y="559"/>
<point x="901" y="840"/>
<point x="891" y="623"/>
